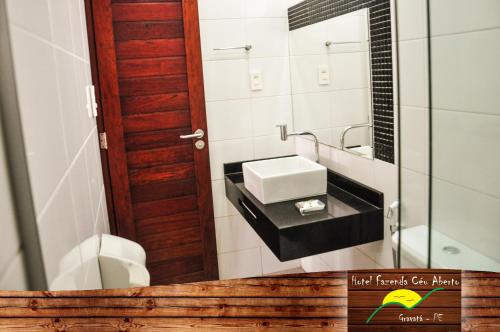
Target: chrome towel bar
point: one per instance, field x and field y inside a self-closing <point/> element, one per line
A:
<point x="246" y="48"/>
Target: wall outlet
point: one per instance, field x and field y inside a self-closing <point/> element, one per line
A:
<point x="323" y="75"/>
<point x="256" y="80"/>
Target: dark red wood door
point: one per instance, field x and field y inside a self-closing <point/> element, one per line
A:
<point x="147" y="62"/>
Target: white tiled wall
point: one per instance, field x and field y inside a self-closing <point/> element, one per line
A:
<point x="241" y="122"/>
<point x="12" y="274"/>
<point x="466" y="122"/>
<point x="49" y="40"/>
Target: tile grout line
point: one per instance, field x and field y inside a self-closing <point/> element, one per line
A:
<point x="66" y="174"/>
<point x="47" y="42"/>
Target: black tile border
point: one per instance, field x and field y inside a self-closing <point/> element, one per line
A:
<point x="313" y="11"/>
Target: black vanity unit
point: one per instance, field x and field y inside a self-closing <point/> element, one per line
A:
<point x="354" y="216"/>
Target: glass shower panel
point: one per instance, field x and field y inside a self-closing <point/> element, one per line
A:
<point x="412" y="240"/>
<point x="465" y="132"/>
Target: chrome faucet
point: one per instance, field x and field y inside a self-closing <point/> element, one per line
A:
<point x="285" y="134"/>
<point x="347" y="129"/>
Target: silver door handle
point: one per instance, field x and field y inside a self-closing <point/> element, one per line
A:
<point x="199" y="134"/>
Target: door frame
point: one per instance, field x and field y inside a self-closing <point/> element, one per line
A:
<point x="100" y="119"/>
<point x="118" y="198"/>
<point x="103" y="55"/>
<point x="199" y="120"/>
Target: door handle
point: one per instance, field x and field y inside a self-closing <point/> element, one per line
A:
<point x="198" y="134"/>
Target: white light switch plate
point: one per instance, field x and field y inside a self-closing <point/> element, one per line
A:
<point x="91" y="101"/>
<point x="323" y="75"/>
<point x="256" y="80"/>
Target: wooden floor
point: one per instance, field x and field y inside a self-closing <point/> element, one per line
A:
<point x="279" y="303"/>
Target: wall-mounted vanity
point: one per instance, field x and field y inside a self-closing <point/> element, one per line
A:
<point x="353" y="213"/>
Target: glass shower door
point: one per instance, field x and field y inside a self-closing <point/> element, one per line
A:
<point x="465" y="134"/>
<point x="449" y="78"/>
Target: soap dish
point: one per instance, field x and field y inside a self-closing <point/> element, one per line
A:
<point x="311" y="206"/>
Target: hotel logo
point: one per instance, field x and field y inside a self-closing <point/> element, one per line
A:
<point x="406" y="298"/>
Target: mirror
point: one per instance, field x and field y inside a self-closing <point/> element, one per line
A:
<point x="331" y="82"/>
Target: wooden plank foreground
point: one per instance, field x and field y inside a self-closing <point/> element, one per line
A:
<point x="307" y="302"/>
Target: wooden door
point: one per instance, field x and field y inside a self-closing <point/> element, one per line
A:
<point x="146" y="61"/>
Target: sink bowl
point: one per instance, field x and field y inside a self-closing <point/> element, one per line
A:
<point x="284" y="179"/>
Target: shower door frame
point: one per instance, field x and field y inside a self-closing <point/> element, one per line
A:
<point x="397" y="256"/>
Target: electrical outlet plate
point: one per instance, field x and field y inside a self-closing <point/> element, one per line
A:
<point x="323" y="75"/>
<point x="256" y="80"/>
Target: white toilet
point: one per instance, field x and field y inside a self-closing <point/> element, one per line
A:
<point x="118" y="263"/>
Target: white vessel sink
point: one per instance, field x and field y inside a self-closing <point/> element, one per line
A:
<point x="284" y="179"/>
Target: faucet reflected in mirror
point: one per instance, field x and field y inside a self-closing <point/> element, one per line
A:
<point x="365" y="151"/>
<point x="285" y="134"/>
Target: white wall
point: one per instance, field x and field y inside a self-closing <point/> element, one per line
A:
<point x="52" y="70"/>
<point x="466" y="120"/>
<point x="241" y="122"/>
<point x="12" y="273"/>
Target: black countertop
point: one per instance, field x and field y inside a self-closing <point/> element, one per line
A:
<point x="354" y="216"/>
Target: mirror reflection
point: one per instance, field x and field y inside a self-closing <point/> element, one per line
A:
<point x="331" y="82"/>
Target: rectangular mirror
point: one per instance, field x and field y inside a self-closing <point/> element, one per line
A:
<point x="330" y="64"/>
